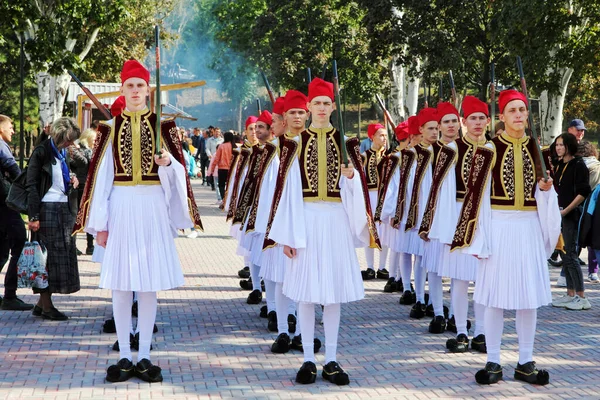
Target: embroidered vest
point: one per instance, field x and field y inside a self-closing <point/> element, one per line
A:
<point x="371" y="161"/>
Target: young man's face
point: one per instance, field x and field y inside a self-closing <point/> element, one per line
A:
<point x="263" y="132"/>
<point x="514" y="116"/>
<point x="251" y="133"/>
<point x="135" y="91"/>
<point x="217" y="133"/>
<point x="578" y="133"/>
<point x="295" y="119"/>
<point x="278" y="125"/>
<point x="415" y="139"/>
<point x="6" y="131"/>
<point x="380" y="139"/>
<point x="321" y="108"/>
<point x="449" y="126"/>
<point x="476" y="124"/>
<point x="429" y="130"/>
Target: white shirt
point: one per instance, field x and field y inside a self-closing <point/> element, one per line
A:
<point x="56" y="194"/>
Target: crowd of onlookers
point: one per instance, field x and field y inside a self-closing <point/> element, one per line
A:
<point x="576" y="176"/>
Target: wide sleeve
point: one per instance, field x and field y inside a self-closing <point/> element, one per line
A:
<point x="391" y="197"/>
<point x="549" y="216"/>
<point x="173" y="181"/>
<point x="481" y="244"/>
<point x="355" y="207"/>
<point x="97" y="220"/>
<point x="289" y="225"/>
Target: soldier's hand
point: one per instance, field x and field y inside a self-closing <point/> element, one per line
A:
<point x="164" y="160"/>
<point x="102" y="238"/>
<point x="290" y="252"/>
<point x="545" y="185"/>
<point x="348" y="171"/>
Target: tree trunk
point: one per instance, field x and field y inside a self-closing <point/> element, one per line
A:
<point x="52" y="91"/>
<point x="551" y="108"/>
<point x="397" y="107"/>
<point x="412" y="93"/>
<point x="239" y="117"/>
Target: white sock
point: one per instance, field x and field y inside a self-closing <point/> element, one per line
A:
<point x="451" y="309"/>
<point x="247" y="261"/>
<point x="270" y="295"/>
<point x="394" y="268"/>
<point x="307" y="323"/>
<point x="122" y="301"/>
<point x="460" y="304"/>
<point x="292" y="307"/>
<point x="298" y="325"/>
<point x="406" y="269"/>
<point x="147" y="305"/>
<point x="420" y="276"/>
<point x="526" y="322"/>
<point x="331" y="324"/>
<point x="370" y="256"/>
<point x="282" y="304"/>
<point x="436" y="296"/>
<point x="383" y="257"/>
<point x="494" y="325"/>
<point x="255" y="275"/>
<point x="479" y="310"/>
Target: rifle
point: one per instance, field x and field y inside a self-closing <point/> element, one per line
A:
<point x="157" y="91"/>
<point x="493" y="97"/>
<point x="269" y="90"/>
<point x="534" y="134"/>
<point x="324" y="71"/>
<point x="390" y="124"/>
<point x="455" y="101"/>
<point x="93" y="98"/>
<point x="441" y="91"/>
<point x="338" y="106"/>
<point x="308" y="81"/>
<point x="425" y="101"/>
<point x="258" y="106"/>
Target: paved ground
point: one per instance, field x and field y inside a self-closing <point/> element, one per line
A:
<point x="211" y="344"/>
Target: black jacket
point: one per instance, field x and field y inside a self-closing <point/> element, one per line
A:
<point x="39" y="179"/>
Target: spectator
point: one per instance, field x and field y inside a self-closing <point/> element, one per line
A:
<point x="12" y="229"/>
<point x="571" y="181"/>
<point x="589" y="234"/>
<point x="222" y="160"/>
<point x="589" y="153"/>
<point x="52" y="206"/>
<point x="80" y="154"/>
<point x="202" y="156"/>
<point x="211" y="149"/>
<point x="577" y="129"/>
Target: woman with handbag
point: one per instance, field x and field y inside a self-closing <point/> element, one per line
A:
<point x="52" y="207"/>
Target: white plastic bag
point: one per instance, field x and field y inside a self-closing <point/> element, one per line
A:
<point x="31" y="267"/>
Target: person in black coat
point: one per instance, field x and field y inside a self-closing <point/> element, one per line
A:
<point x="52" y="207"/>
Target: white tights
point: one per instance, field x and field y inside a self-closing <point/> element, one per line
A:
<point x="370" y="256"/>
<point x="395" y="265"/>
<point x="283" y="306"/>
<point x="255" y="275"/>
<point x="147" y="303"/>
<point x="526" y="321"/>
<point x="331" y="325"/>
<point x="406" y="269"/>
<point x="270" y="295"/>
<point x="436" y="295"/>
<point x="460" y="308"/>
<point x="420" y="276"/>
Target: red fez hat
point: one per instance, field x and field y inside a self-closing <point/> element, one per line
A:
<point x="427" y="115"/>
<point x="413" y="125"/>
<point x="133" y="69"/>
<point x="506" y="96"/>
<point x="319" y="87"/>
<point x="251" y="120"/>
<point x="446" y="108"/>
<point x="472" y="105"/>
<point x="401" y="131"/>
<point x="295" y="99"/>
<point x="278" y="106"/>
<point x="118" y="106"/>
<point x="265" y="117"/>
<point x="372" y="129"/>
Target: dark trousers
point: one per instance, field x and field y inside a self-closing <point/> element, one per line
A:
<point x="204" y="162"/>
<point x="12" y="240"/>
<point x="571" y="266"/>
<point x="222" y="181"/>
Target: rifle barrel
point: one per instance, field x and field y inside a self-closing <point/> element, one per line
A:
<point x="338" y="105"/>
<point x="530" y="118"/>
<point x="157" y="91"/>
<point x="91" y="96"/>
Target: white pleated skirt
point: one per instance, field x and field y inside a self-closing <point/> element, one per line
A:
<point x="458" y="265"/>
<point x="433" y="252"/>
<point x="413" y="244"/>
<point x="515" y="276"/>
<point x="240" y="250"/>
<point x="273" y="264"/>
<point x="327" y="270"/>
<point x="140" y="252"/>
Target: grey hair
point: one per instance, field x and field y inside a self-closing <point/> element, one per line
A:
<point x="63" y="131"/>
